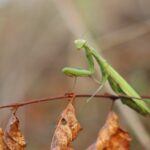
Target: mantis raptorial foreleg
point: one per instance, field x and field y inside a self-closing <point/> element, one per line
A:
<point x="79" y="72"/>
<point x="116" y="81"/>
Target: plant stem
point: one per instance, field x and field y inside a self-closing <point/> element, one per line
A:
<point x="66" y="96"/>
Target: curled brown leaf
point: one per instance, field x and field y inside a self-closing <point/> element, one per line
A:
<point x="67" y="129"/>
<point x="111" y="136"/>
<point x="1" y="139"/>
<point x="13" y="138"/>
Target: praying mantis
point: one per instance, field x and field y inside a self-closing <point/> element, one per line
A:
<point x="118" y="84"/>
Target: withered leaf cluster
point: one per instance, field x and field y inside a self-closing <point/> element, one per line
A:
<point x="12" y="138"/>
<point x="111" y="136"/>
<point x="67" y="129"/>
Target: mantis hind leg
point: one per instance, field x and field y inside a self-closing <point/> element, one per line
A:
<point x="102" y="83"/>
<point x="99" y="88"/>
<point x="95" y="80"/>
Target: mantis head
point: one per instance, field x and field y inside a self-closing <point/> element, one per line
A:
<point x="80" y="43"/>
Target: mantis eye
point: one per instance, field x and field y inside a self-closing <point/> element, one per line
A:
<point x="80" y="43"/>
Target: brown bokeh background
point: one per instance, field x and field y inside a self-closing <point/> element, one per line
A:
<point x="36" y="42"/>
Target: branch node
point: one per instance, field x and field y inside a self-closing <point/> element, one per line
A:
<point x="71" y="96"/>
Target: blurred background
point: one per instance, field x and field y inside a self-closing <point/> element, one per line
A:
<point x="36" y="42"/>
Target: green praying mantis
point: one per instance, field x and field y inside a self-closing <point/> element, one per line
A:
<point x="118" y="84"/>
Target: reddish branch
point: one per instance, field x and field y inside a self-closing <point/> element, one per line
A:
<point x="66" y="96"/>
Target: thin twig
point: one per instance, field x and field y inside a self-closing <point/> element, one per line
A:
<point x="68" y="95"/>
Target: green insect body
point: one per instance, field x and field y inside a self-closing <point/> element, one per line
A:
<point x="120" y="86"/>
<point x="117" y="82"/>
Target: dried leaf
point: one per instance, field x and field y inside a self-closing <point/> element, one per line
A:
<point x="111" y="136"/>
<point x="13" y="138"/>
<point x="67" y="129"/>
<point x="1" y="139"/>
